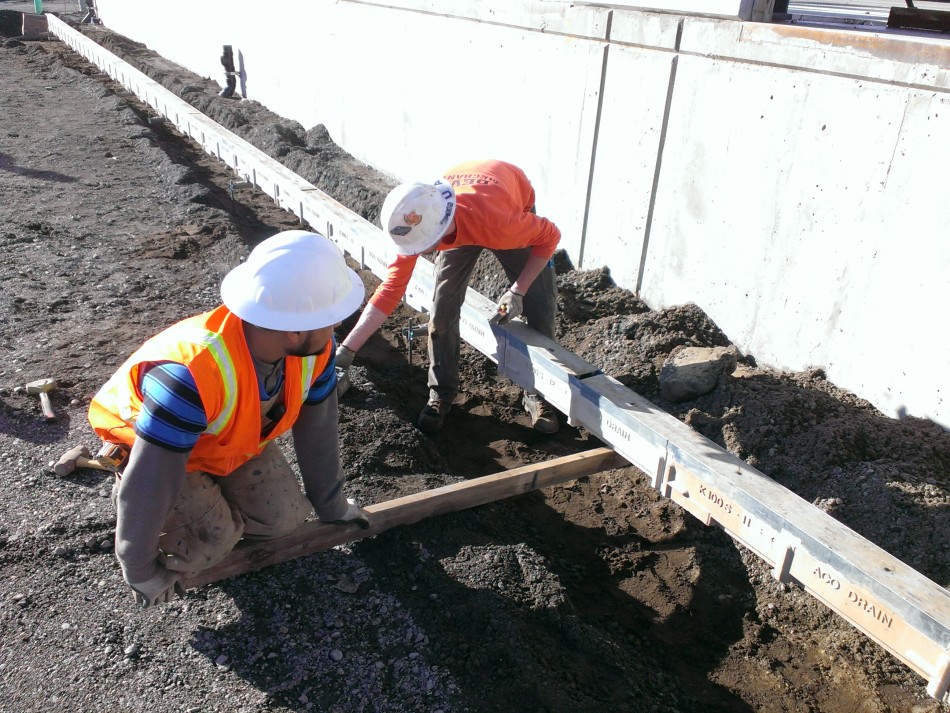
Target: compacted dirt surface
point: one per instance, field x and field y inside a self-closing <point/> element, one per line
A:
<point x="598" y="595"/>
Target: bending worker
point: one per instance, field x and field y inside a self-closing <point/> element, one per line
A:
<point x="200" y="405"/>
<point x="476" y="205"/>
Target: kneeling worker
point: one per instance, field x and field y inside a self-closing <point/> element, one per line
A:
<point x="475" y="206"/>
<point x="200" y="404"/>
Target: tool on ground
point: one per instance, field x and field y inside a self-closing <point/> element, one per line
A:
<point x="234" y="185"/>
<point x="80" y="457"/>
<point x="42" y="387"/>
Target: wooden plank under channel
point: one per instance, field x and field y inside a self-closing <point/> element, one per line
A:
<point x="315" y="536"/>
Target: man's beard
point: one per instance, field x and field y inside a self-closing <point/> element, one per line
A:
<point x="308" y="350"/>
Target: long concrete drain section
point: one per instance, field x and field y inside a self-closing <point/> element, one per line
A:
<point x="893" y="604"/>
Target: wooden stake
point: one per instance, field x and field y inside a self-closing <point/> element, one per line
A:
<point x="315" y="536"/>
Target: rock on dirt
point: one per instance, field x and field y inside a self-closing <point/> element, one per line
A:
<point x="595" y="596"/>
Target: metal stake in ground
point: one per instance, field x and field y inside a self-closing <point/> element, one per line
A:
<point x="410" y="333"/>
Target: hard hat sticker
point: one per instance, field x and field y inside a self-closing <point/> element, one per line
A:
<point x="401" y="230"/>
<point x="412" y="218"/>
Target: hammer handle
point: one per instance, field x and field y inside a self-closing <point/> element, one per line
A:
<point x="46" y="406"/>
<point x="82" y="462"/>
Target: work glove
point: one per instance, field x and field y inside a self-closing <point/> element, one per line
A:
<point x="509" y="307"/>
<point x="353" y="515"/>
<point x="344" y="358"/>
<point x="162" y="588"/>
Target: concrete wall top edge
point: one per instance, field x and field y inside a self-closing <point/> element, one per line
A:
<point x="916" y="61"/>
<point x="538" y="15"/>
<point x="734" y="9"/>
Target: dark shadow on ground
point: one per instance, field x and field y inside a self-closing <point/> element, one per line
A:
<point x="7" y="164"/>
<point x="615" y="653"/>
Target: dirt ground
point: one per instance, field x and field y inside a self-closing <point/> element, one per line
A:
<point x="595" y="596"/>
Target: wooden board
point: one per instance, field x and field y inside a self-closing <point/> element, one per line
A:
<point x="315" y="536"/>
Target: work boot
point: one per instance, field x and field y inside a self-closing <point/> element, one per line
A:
<point x="543" y="417"/>
<point x="432" y="416"/>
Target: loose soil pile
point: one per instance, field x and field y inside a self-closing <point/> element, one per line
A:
<point x="596" y="596"/>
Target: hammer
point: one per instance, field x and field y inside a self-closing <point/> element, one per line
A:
<point x="43" y="387"/>
<point x="78" y="457"/>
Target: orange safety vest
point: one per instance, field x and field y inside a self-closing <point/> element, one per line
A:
<point x="213" y="347"/>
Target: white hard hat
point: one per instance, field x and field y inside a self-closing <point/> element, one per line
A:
<point x="293" y="282"/>
<point x="417" y="215"/>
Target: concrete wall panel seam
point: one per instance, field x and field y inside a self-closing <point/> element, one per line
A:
<point x="593" y="160"/>
<point x="656" y="175"/>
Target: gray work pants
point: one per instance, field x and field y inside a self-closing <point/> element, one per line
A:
<point x="453" y="269"/>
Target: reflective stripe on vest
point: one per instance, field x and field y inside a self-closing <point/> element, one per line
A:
<point x="306" y="377"/>
<point x="214" y="343"/>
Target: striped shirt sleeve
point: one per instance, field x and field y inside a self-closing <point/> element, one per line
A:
<point x="172" y="414"/>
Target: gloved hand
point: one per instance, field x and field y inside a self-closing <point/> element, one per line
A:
<point x="344" y="358"/>
<point x="162" y="588"/>
<point x="353" y="515"/>
<point x="509" y="307"/>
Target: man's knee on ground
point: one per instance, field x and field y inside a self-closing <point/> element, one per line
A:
<point x="267" y="493"/>
<point x="271" y="519"/>
<point x="192" y="543"/>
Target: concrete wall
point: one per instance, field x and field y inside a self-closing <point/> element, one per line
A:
<point x="787" y="180"/>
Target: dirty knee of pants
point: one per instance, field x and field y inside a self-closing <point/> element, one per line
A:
<point x="202" y="527"/>
<point x="268" y="495"/>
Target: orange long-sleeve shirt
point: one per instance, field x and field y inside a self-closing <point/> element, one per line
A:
<point x="494" y="200"/>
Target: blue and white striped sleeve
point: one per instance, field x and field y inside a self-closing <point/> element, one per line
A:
<point x="172" y="414"/>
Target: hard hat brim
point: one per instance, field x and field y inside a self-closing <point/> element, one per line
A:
<point x="419" y="248"/>
<point x="235" y="298"/>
